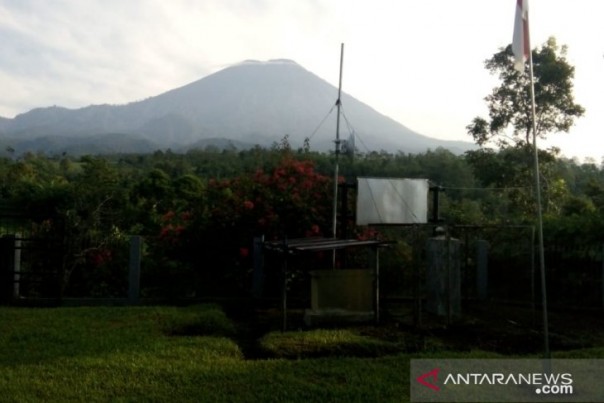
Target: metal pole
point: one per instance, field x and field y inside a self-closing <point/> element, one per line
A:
<point x="336" y="173"/>
<point x="539" y="211"/>
<point x="448" y="281"/>
<point x="533" y="305"/>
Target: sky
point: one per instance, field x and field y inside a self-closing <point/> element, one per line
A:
<point x="418" y="62"/>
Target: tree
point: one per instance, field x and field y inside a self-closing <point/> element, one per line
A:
<point x="508" y="175"/>
<point x="510" y="127"/>
<point x="510" y="103"/>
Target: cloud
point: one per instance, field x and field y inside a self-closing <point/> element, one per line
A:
<point x="117" y="51"/>
<point x="93" y="49"/>
<point x="420" y="62"/>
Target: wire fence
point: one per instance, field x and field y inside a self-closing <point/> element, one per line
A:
<point x="496" y="263"/>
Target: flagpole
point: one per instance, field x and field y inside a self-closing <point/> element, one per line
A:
<point x="521" y="47"/>
<point x="539" y="207"/>
<point x="539" y="217"/>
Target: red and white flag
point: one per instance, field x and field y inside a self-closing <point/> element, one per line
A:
<point x="521" y="44"/>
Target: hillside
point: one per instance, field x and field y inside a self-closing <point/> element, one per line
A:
<point x="246" y="104"/>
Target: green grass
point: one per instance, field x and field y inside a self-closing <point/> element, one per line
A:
<point x="325" y="343"/>
<point x="166" y="354"/>
<point x="206" y="320"/>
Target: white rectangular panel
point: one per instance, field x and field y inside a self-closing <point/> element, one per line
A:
<point x="392" y="201"/>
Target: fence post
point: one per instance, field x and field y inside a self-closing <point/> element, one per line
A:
<point x="482" y="269"/>
<point x="17" y="267"/>
<point x="7" y="264"/>
<point x="134" y="273"/>
<point x="258" y="275"/>
<point x="417" y="279"/>
<point x="443" y="277"/>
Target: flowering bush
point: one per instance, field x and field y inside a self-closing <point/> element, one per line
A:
<point x="214" y="238"/>
<point x="291" y="200"/>
<point x="173" y="225"/>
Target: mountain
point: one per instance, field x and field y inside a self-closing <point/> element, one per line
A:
<point x="243" y="105"/>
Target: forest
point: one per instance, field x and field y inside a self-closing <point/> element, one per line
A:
<point x="200" y="211"/>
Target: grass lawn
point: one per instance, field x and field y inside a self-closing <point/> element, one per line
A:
<point x="191" y="354"/>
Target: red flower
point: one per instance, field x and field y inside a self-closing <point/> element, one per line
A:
<point x="314" y="231"/>
<point x="165" y="231"/>
<point x="244" y="252"/>
<point x="101" y="256"/>
<point x="168" y="216"/>
<point x="248" y="204"/>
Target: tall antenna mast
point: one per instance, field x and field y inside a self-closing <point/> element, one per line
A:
<point x="337" y="158"/>
<point x="337" y="151"/>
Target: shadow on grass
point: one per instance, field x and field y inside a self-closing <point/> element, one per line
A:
<point x="38" y="335"/>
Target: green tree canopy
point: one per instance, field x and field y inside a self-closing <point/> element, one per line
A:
<point x="510" y="103"/>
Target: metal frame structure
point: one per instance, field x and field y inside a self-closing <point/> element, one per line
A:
<point x="287" y="248"/>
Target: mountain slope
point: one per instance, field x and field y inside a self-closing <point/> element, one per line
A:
<point x="249" y="103"/>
